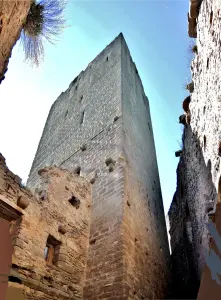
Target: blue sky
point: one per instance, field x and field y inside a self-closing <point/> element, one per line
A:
<point x="156" y="33"/>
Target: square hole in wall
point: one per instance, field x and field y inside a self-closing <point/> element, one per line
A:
<point x="74" y="202"/>
<point x="52" y="250"/>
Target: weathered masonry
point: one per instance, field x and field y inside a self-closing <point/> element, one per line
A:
<point x="12" y="15"/>
<point x="198" y="172"/>
<point x="100" y="128"/>
<point x="50" y="233"/>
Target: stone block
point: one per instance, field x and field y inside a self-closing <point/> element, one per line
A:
<point x="19" y="243"/>
<point x="193" y="9"/>
<point x="23" y="202"/>
<point x="65" y="267"/>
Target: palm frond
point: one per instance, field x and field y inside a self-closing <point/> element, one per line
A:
<point x="45" y="21"/>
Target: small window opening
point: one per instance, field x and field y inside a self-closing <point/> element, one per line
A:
<point x="135" y="240"/>
<point x="62" y="229"/>
<point x="204" y="109"/>
<point x="66" y="113"/>
<point x="92" y="242"/>
<point x="207" y="63"/>
<point x="128" y="203"/>
<point x="109" y="161"/>
<point x="110" y="164"/>
<point x="14" y="279"/>
<point x="111" y="168"/>
<point x="211" y="17"/>
<point x="75" y="202"/>
<point x="83" y="147"/>
<point x="81" y="98"/>
<point x="107" y="58"/>
<point x="204" y="142"/>
<point x="49" y="279"/>
<point x="43" y="195"/>
<point x="51" y="251"/>
<point x="92" y="181"/>
<point x="76" y="88"/>
<point x="82" y="118"/>
<point x="77" y="171"/>
<point x="116" y="118"/>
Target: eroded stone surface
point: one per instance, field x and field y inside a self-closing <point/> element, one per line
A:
<point x="199" y="167"/>
<point x="64" y="279"/>
<point x="12" y="16"/>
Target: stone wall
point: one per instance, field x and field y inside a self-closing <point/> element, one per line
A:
<point x="54" y="222"/>
<point x="147" y="260"/>
<point x="12" y="15"/>
<point x="87" y="145"/>
<point x="88" y="131"/>
<point x="210" y="286"/>
<point x="201" y="154"/>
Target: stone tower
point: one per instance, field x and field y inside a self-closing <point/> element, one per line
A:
<point x="100" y="128"/>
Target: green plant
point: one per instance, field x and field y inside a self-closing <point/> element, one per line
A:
<point x="45" y="21"/>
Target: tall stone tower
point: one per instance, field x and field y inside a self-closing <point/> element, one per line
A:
<point x="101" y="129"/>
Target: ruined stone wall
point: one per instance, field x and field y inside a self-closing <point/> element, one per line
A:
<point x="51" y="220"/>
<point x="188" y="223"/>
<point x="12" y="15"/>
<point x="201" y="154"/>
<point x="96" y="148"/>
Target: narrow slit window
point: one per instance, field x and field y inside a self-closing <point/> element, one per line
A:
<point x="51" y="250"/>
<point x="82" y="117"/>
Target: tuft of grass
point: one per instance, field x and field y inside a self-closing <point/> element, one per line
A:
<point x="45" y="21"/>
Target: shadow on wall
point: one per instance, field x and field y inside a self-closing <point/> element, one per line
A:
<point x="192" y="206"/>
